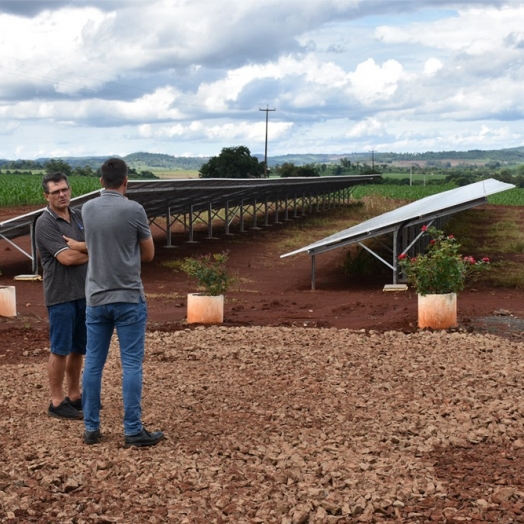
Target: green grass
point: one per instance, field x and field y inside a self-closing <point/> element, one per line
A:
<point x="484" y="230"/>
<point x="510" y="197"/>
<point x="407" y="193"/>
<point x="496" y="234"/>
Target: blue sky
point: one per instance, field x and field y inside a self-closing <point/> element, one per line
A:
<point x="187" y="78"/>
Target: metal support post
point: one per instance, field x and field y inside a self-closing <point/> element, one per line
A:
<point x="242" y="230"/>
<point x="313" y="272"/>
<point x="168" y="228"/>
<point x="191" y="229"/>
<point x="210" y="222"/>
<point x="255" y="209"/>
<point x="266" y="213"/>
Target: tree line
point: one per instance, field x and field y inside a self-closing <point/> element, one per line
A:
<point x="238" y="162"/>
<point x="27" y="167"/>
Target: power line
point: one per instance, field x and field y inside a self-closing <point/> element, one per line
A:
<point x="267" y="110"/>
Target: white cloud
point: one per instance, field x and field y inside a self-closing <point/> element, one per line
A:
<point x="432" y="65"/>
<point x="370" y="127"/>
<point x="371" y="82"/>
<point x="175" y="76"/>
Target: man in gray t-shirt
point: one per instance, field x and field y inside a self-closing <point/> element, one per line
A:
<point x="59" y="237"/>
<point x="118" y="238"/>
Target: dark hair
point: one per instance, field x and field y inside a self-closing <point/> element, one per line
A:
<point x="53" y="177"/>
<point x="114" y="172"/>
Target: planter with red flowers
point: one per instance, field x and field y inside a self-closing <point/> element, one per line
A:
<point x="437" y="276"/>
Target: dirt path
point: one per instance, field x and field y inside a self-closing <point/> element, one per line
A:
<point x="275" y="292"/>
<point x="323" y="406"/>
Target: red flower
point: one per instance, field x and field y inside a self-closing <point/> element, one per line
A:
<point x="433" y="241"/>
<point x="402" y="256"/>
<point x="451" y="237"/>
<point x="485" y="260"/>
<point x="424" y="228"/>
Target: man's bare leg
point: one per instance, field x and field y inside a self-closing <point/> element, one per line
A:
<point x="73" y="371"/>
<point x="56" y="368"/>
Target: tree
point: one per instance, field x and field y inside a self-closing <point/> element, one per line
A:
<point x="57" y="164"/>
<point x="83" y="171"/>
<point x="288" y="170"/>
<point x="308" y="170"/>
<point x="232" y="162"/>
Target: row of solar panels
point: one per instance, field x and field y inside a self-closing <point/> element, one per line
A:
<point x="181" y="196"/>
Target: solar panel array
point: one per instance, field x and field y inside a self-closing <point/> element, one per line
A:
<point x="163" y="198"/>
<point x="403" y="219"/>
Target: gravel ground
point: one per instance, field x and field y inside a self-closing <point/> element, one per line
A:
<point x="280" y="425"/>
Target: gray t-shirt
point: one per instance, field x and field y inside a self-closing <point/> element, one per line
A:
<point x="114" y="226"/>
<point x="61" y="283"/>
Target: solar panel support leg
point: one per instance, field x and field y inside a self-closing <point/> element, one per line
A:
<point x="313" y="272"/>
<point x="191" y="230"/>
<point x="266" y="213"/>
<point x="210" y="222"/>
<point x="242" y="230"/>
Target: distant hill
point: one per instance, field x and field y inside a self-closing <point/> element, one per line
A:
<point x="153" y="161"/>
<point x="510" y="156"/>
<point x="143" y="161"/>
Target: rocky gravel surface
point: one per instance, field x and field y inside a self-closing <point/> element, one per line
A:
<point x="280" y="425"/>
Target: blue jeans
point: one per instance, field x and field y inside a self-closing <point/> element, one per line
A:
<point x="130" y="323"/>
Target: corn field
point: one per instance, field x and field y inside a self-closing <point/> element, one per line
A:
<point x="26" y="190"/>
<point x="511" y="197"/>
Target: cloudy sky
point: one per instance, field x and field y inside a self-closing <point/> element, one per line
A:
<point x="189" y="77"/>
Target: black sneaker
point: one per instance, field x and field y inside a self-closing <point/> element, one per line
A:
<point x="65" y="411"/>
<point x="92" y="437"/>
<point x="144" y="438"/>
<point x="77" y="404"/>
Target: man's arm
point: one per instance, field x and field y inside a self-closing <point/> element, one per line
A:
<point x="147" y="249"/>
<point x="71" y="257"/>
<point x="76" y="244"/>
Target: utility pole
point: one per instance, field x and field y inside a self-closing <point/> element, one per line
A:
<point x="267" y="110"/>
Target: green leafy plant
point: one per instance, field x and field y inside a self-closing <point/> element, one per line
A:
<point x="441" y="269"/>
<point x="210" y="272"/>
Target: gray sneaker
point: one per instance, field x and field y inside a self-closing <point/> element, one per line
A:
<point x="64" y="411"/>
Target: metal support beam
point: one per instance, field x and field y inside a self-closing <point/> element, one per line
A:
<point x="242" y="230"/>
<point x="313" y="275"/>
<point x="191" y="228"/>
<point x="210" y="222"/>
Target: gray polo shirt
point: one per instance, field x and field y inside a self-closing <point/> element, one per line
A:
<point x="61" y="283"/>
<point x="114" y="226"/>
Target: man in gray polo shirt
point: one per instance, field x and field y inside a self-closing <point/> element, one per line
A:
<point x="118" y="239"/>
<point x="59" y="236"/>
